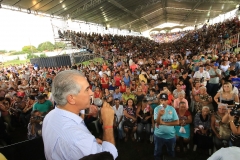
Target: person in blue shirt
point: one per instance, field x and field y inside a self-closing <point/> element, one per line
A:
<point x="166" y="118"/>
<point x="117" y="94"/>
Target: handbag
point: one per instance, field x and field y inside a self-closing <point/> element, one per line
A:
<point x="182" y="130"/>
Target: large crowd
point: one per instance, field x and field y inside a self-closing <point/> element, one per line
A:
<point x="168" y="37"/>
<point x="191" y="78"/>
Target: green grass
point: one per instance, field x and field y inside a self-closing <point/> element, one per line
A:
<point x="100" y="60"/>
<point x="15" y="62"/>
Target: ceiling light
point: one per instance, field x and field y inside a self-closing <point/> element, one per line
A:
<point x="63" y="5"/>
<point x="34" y="2"/>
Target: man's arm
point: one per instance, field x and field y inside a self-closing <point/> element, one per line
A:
<point x="107" y="115"/>
<point x="173" y="123"/>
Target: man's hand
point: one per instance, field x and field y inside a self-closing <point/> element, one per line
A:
<point x="161" y="112"/>
<point x="99" y="141"/>
<point x="107" y="114"/>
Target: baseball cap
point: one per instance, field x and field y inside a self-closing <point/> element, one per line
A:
<point x="216" y="64"/>
<point x="163" y="96"/>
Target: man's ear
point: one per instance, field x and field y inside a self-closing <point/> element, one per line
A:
<point x="71" y="99"/>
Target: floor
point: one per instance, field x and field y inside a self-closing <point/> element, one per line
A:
<point x="130" y="150"/>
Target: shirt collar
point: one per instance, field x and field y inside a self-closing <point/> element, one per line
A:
<point x="69" y="115"/>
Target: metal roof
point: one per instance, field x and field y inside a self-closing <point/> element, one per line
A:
<point x="137" y="15"/>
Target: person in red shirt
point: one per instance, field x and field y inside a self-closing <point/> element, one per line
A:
<point x="104" y="66"/>
<point x="117" y="79"/>
<point x="105" y="81"/>
<point x="133" y="67"/>
<point x="123" y="87"/>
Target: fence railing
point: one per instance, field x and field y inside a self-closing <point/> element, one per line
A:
<point x="232" y="42"/>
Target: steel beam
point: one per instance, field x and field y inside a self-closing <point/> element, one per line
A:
<point x="85" y="7"/>
<point x="113" y="2"/>
<point x="192" y="10"/>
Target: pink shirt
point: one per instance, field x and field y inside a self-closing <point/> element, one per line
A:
<point x="177" y="101"/>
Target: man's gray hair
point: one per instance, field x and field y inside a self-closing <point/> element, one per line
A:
<point x="64" y="84"/>
<point x="222" y="105"/>
<point x="205" y="107"/>
<point x="181" y="93"/>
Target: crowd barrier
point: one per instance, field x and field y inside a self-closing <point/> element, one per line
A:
<point x="56" y="61"/>
<point x="232" y="42"/>
<point x="26" y="150"/>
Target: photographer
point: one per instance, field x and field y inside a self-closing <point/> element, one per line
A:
<point x="221" y="130"/>
<point x="35" y="125"/>
<point x="232" y="116"/>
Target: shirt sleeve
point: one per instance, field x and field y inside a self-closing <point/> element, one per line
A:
<point x="109" y="147"/>
<point x="155" y="113"/>
<point x="216" y="155"/>
<point x="84" y="145"/>
<point x="49" y="103"/>
<point x="34" y="107"/>
<point x="195" y="75"/>
<point x="207" y="75"/>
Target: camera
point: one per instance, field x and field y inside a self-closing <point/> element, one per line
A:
<point x="38" y="118"/>
<point x="235" y="111"/>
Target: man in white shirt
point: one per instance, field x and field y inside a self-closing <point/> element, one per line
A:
<point x="101" y="72"/>
<point x="213" y="83"/>
<point x="64" y="132"/>
<point x="202" y="75"/>
<point x="230" y="153"/>
<point x="118" y="110"/>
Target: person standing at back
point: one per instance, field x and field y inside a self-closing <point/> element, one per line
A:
<point x="64" y="132"/>
<point x="166" y="118"/>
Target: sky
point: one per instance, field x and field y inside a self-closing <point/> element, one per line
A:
<point x="19" y="29"/>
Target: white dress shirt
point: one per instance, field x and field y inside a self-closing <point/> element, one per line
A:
<point x="119" y="111"/>
<point x="66" y="137"/>
<point x="230" y="153"/>
<point x="204" y="74"/>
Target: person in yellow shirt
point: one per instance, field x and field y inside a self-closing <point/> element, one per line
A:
<point x="143" y="76"/>
<point x="127" y="95"/>
<point x="2" y="157"/>
<point x="174" y="65"/>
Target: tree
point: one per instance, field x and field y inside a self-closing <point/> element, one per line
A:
<point x="59" y="45"/>
<point x="3" y="51"/>
<point x="29" y="49"/>
<point x="31" y="55"/>
<point x="42" y="55"/>
<point x="46" y="46"/>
